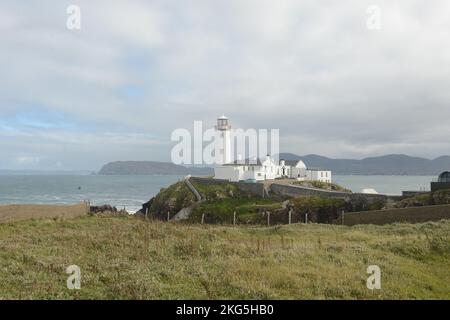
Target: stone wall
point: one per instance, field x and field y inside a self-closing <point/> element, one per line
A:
<point x="408" y="194"/>
<point x="439" y="186"/>
<point x="254" y="188"/>
<point x="298" y="191"/>
<point x="260" y="189"/>
<point x="410" y="215"/>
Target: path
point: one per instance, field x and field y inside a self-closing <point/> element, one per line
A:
<point x="192" y="188"/>
<point x="186" y="212"/>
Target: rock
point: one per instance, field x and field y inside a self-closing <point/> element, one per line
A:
<point x="183" y="214"/>
<point x="106" y="209"/>
<point x="103" y="208"/>
<point x="145" y="207"/>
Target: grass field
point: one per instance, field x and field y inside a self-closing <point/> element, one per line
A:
<point x="129" y="258"/>
<point x="16" y="212"/>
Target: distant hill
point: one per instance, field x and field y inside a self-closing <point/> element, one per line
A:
<point x="151" y="167"/>
<point x="393" y="164"/>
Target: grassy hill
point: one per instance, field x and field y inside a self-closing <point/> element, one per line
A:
<point x="130" y="258"/>
<point x="220" y="201"/>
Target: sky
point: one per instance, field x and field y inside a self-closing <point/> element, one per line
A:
<point x="320" y="71"/>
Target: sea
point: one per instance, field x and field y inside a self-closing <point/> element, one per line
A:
<point x="129" y="192"/>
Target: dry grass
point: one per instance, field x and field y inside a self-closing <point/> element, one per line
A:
<point x="129" y="258"/>
<point x="32" y="211"/>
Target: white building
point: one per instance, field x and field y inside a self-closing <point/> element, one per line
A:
<point x="259" y="170"/>
<point x="318" y="175"/>
<point x="269" y="170"/>
<point x="249" y="170"/>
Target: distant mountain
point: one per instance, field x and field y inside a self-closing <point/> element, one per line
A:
<point x="393" y="164"/>
<point x="151" y="167"/>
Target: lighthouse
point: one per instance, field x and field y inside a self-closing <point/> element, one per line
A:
<point x="223" y="141"/>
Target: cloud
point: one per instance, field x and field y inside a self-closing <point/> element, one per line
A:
<point x="137" y="70"/>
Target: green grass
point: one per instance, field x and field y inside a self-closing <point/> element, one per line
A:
<point x="212" y="192"/>
<point x="428" y="199"/>
<point x="221" y="211"/>
<point x="129" y="258"/>
<point x="222" y="200"/>
<point x="172" y="200"/>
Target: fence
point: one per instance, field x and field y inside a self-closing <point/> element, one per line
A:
<point x="267" y="218"/>
<point x="21" y="212"/>
<point x="379" y="217"/>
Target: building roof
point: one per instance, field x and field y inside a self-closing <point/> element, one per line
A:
<point x="250" y="162"/>
<point x="291" y="163"/>
<point x="259" y="162"/>
<point x="222" y="117"/>
<point x="246" y="162"/>
<point x="444" y="177"/>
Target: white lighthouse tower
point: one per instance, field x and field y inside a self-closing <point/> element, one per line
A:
<point x="223" y="141"/>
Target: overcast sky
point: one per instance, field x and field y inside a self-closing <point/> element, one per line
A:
<point x="137" y="70"/>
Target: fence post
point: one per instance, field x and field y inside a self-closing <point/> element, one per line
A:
<point x="306" y="217"/>
<point x="146" y="213"/>
<point x="168" y="215"/>
<point x="203" y="218"/>
<point x="268" y="218"/>
<point x="290" y="216"/>
<point x="234" y="218"/>
<point x="343" y="213"/>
